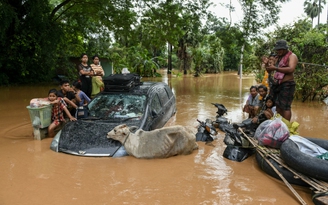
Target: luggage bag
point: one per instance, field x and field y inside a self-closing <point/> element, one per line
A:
<point x="127" y="87"/>
<point x="121" y="82"/>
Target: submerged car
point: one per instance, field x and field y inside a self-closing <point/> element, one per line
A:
<point x="147" y="106"/>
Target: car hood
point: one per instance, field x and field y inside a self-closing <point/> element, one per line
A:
<point x="88" y="138"/>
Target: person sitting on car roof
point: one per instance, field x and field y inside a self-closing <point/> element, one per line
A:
<point x="68" y="95"/>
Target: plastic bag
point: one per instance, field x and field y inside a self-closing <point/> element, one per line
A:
<point x="292" y="126"/>
<point x="272" y="133"/>
<point x="307" y="147"/>
<point x="39" y="102"/>
<point x="125" y="71"/>
<point x="236" y="153"/>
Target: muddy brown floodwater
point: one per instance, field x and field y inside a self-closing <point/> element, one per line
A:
<point x="32" y="174"/>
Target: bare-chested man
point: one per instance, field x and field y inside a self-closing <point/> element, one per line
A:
<point x="283" y="87"/>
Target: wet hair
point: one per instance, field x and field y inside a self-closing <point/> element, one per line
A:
<point x="64" y="82"/>
<point x="77" y="85"/>
<point x="264" y="88"/>
<point x="54" y="91"/>
<point x="83" y="54"/>
<point x="252" y="87"/>
<point x="95" y="56"/>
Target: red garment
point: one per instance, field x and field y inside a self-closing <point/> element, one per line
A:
<point x="57" y="113"/>
<point x="272" y="133"/>
<point x="282" y="63"/>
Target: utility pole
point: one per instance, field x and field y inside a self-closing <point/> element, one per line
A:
<point x="169" y="61"/>
<point x="241" y="62"/>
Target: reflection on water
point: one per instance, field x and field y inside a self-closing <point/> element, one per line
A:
<point x="31" y="173"/>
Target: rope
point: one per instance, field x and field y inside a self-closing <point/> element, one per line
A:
<point x="312" y="64"/>
<point x="126" y="139"/>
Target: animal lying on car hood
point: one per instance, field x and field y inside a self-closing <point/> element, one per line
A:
<point x="158" y="143"/>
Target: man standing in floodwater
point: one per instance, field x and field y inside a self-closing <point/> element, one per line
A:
<point x="283" y="84"/>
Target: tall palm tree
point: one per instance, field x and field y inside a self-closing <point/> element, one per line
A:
<point x="321" y="5"/>
<point x="311" y="9"/>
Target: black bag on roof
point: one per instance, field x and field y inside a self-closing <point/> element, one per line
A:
<point x="121" y="82"/>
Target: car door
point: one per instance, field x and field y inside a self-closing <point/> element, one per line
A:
<point x="170" y="103"/>
<point x="166" y="104"/>
<point x="156" y="112"/>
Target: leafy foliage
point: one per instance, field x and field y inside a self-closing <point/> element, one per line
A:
<point x="26" y="33"/>
<point x="39" y="38"/>
<point x="312" y="81"/>
<point x="312" y="50"/>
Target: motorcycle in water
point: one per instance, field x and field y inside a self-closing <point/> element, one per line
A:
<point x="221" y="109"/>
<point x="238" y="148"/>
<point x="222" y="122"/>
<point x="205" y="131"/>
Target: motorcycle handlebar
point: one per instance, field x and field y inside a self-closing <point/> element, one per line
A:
<point x="202" y="123"/>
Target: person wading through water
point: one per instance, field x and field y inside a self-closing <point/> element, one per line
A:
<point x="283" y="84"/>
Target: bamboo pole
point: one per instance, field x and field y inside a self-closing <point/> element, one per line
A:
<point x="279" y="174"/>
<point x="319" y="185"/>
<point x="284" y="179"/>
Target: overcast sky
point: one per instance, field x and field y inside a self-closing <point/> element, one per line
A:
<point x="290" y="11"/>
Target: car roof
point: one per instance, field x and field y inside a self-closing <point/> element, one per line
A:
<point x="143" y="88"/>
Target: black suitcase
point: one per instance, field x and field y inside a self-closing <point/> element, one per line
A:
<point x="119" y="79"/>
<point x="121" y="82"/>
<point x="122" y="79"/>
<point x="127" y="87"/>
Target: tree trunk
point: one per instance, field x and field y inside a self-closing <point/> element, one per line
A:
<point x="319" y="8"/>
<point x="327" y="26"/>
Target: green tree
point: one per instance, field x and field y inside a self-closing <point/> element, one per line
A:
<point x="38" y="36"/>
<point x="314" y="9"/>
<point x="231" y="41"/>
<point x="258" y="15"/>
<point x="312" y="51"/>
<point x="26" y="41"/>
<point x="311" y="9"/>
<point x="207" y="56"/>
<point x="192" y="32"/>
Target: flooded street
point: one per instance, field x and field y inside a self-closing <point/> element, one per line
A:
<point x="32" y="174"/>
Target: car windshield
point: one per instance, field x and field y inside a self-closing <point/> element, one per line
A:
<point x="117" y="106"/>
